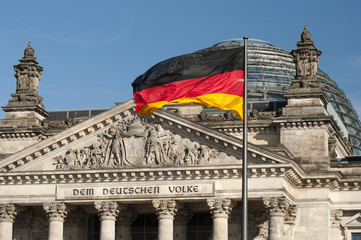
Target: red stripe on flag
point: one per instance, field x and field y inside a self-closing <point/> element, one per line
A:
<point x="228" y="83"/>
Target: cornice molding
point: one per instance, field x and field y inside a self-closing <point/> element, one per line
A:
<point x="292" y="173"/>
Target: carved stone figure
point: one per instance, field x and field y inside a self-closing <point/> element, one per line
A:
<point x="28" y="75"/>
<point x="306" y="59"/>
<point x="332" y="148"/>
<point x="134" y="142"/>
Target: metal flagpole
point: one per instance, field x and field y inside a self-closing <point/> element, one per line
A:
<point x="245" y="162"/>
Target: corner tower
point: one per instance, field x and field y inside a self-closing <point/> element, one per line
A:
<point x="25" y="112"/>
<point x="307" y="129"/>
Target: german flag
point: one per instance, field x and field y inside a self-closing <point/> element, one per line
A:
<point x="212" y="77"/>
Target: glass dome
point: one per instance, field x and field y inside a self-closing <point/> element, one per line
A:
<point x="270" y="71"/>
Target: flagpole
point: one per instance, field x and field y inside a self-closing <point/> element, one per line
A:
<point x="245" y="161"/>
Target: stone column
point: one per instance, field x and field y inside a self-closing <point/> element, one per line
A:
<point x="180" y="223"/>
<point x="165" y="210"/>
<point x="108" y="213"/>
<point x="8" y="213"/>
<point x="124" y="221"/>
<point x="220" y="210"/>
<point x="56" y="212"/>
<point x="277" y="207"/>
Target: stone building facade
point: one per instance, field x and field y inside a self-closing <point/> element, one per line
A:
<point x="177" y="176"/>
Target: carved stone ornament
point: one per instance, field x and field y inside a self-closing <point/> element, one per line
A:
<point x="279" y="206"/>
<point x="336" y="217"/>
<point x="291" y="214"/>
<point x="220" y="207"/>
<point x="134" y="142"/>
<point x="258" y="225"/>
<point x="257" y="115"/>
<point x="28" y="75"/>
<point x="165" y="208"/>
<point x="8" y="212"/>
<point x="332" y="148"/>
<point x="28" y="72"/>
<point x="226" y="116"/>
<point x="56" y="211"/>
<point x="67" y="123"/>
<point x="306" y="59"/>
<point x="107" y="210"/>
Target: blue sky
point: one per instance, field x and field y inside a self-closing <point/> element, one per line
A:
<point x="92" y="50"/>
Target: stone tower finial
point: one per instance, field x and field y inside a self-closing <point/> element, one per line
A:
<point x="306" y="35"/>
<point x="29" y="51"/>
<point x="306" y="59"/>
<point x="26" y="98"/>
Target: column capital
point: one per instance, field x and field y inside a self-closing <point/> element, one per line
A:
<point x="336" y="217"/>
<point x="8" y="212"/>
<point x="56" y="211"/>
<point x="276" y="205"/>
<point x="291" y="213"/>
<point x="165" y="208"/>
<point x="220" y="207"/>
<point x="107" y="209"/>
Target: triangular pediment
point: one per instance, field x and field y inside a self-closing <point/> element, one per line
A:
<point x="354" y="221"/>
<point x="120" y="138"/>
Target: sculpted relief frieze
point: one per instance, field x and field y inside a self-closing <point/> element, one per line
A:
<point x="136" y="142"/>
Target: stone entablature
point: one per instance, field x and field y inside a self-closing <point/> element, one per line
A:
<point x="292" y="174"/>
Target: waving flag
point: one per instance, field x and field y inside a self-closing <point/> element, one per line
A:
<point x="212" y="77"/>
